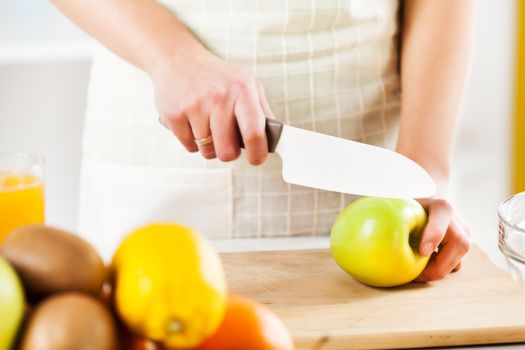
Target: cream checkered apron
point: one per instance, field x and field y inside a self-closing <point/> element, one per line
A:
<point x="326" y="65"/>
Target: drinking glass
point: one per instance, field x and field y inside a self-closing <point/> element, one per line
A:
<point x="21" y="191"/>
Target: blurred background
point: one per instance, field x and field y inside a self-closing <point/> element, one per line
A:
<point x="44" y="69"/>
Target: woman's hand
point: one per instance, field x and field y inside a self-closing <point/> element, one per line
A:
<point x="199" y="95"/>
<point x="446" y="233"/>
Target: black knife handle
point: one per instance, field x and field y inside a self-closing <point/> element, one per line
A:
<point x="274" y="129"/>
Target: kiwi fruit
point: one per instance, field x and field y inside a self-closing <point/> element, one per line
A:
<point x="49" y="260"/>
<point x="70" y="321"/>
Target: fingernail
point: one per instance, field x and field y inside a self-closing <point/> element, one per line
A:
<point x="427" y="250"/>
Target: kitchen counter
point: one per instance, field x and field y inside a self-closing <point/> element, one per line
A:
<point x="291" y="243"/>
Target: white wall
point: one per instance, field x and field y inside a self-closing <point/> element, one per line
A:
<point x="44" y="67"/>
<point x="42" y="111"/>
<point x="42" y="106"/>
<point x="35" y="31"/>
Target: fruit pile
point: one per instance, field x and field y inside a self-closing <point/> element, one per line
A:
<point x="165" y="289"/>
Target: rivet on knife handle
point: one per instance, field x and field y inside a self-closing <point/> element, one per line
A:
<point x="274" y="128"/>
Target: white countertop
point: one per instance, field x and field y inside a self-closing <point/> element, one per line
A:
<point x="297" y="243"/>
<point x="265" y="244"/>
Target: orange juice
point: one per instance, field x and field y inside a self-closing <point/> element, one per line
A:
<point x="21" y="202"/>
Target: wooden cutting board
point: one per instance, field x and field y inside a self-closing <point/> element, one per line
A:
<point x="326" y="309"/>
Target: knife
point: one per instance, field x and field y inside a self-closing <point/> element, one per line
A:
<point x="326" y="162"/>
<point x="332" y="163"/>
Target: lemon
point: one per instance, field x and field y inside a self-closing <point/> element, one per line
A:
<point x="170" y="285"/>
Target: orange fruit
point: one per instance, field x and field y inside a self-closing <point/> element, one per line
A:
<point x="249" y="325"/>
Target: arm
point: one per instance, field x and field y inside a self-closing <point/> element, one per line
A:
<point x="211" y="96"/>
<point x="436" y="42"/>
<point x="140" y="31"/>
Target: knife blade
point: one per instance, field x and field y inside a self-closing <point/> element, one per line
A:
<point x="331" y="163"/>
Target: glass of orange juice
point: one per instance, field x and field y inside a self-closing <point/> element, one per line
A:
<point x="21" y="191"/>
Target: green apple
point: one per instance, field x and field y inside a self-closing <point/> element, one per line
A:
<point x="12" y="303"/>
<point x="376" y="240"/>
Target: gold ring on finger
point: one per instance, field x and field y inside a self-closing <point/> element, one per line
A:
<point x="204" y="141"/>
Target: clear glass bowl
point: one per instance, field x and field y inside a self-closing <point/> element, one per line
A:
<point x="511" y="235"/>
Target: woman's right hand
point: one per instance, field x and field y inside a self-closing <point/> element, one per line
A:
<point x="200" y="95"/>
<point x="197" y="94"/>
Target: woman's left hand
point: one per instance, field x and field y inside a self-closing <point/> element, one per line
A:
<point x="448" y="233"/>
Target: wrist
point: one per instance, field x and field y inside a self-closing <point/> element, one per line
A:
<point x="174" y="49"/>
<point x="439" y="171"/>
<point x="169" y="59"/>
